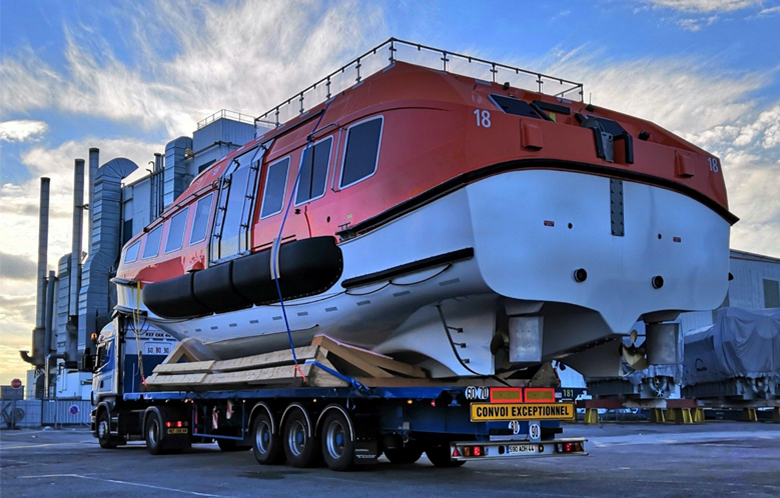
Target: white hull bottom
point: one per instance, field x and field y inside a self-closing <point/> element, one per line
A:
<point x="530" y="230"/>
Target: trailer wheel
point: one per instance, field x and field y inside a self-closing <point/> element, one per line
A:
<point x="104" y="431"/>
<point x="439" y="456"/>
<point x="266" y="446"/>
<point x="232" y="445"/>
<point x="154" y="441"/>
<point x="300" y="445"/>
<point x="338" y="445"/>
<point x="405" y="455"/>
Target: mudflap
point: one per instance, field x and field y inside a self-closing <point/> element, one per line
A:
<point x="366" y="438"/>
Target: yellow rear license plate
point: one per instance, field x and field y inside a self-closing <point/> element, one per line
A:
<point x="496" y="412"/>
<point x="178" y="431"/>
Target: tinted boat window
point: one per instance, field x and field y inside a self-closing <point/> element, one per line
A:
<point x="314" y="172"/>
<point x="201" y="221"/>
<point x="275" y="181"/>
<point x="152" y="246"/>
<point x="132" y="252"/>
<point x="234" y="208"/>
<point x="362" y="154"/>
<point x="514" y="106"/>
<point x="176" y="231"/>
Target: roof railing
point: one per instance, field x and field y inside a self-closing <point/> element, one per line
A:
<point x="226" y="114"/>
<point x="392" y="50"/>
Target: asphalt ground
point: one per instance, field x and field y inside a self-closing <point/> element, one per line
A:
<point x="626" y="460"/>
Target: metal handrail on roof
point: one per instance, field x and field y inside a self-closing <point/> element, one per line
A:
<point x="226" y="114"/>
<point x="355" y="71"/>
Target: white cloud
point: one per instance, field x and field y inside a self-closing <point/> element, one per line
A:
<point x="695" y="25"/>
<point x="769" y="11"/>
<point x="705" y="5"/>
<point x="678" y="94"/>
<point x="20" y="130"/>
<point x="245" y="56"/>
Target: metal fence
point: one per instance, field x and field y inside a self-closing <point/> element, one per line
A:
<point x="30" y="413"/>
<point x="394" y="50"/>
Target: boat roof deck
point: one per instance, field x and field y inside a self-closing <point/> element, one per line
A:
<point x="394" y="50"/>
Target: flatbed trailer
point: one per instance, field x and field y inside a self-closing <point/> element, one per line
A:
<point x="343" y="422"/>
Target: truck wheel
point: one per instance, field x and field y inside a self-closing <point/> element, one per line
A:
<point x="440" y="456"/>
<point x="104" y="431"/>
<point x="405" y="455"/>
<point x="302" y="450"/>
<point x="154" y="441"/>
<point x="266" y="446"/>
<point x="232" y="445"/>
<point x="338" y="446"/>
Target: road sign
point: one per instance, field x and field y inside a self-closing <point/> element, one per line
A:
<point x="16" y="383"/>
<point x="73" y="410"/>
<point x="9" y="392"/>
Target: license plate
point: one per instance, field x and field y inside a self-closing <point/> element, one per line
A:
<point x="183" y="430"/>
<point x="518" y="449"/>
<point x="496" y="412"/>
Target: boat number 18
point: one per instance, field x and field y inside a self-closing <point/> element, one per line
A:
<point x="483" y="118"/>
<point x="713" y="164"/>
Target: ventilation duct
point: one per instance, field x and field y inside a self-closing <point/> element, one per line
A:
<point x="94" y="305"/>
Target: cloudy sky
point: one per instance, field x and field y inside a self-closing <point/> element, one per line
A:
<point x="128" y="76"/>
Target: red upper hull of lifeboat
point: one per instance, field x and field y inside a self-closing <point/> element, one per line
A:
<point x="433" y="137"/>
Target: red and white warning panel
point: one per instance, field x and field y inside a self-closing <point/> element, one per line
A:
<point x="516" y="403"/>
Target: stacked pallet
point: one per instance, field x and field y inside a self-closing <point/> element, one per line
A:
<point x="187" y="368"/>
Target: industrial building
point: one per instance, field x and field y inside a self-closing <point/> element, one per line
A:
<point x="73" y="306"/>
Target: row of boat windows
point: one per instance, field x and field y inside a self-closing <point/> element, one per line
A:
<point x="175" y="239"/>
<point x="360" y="162"/>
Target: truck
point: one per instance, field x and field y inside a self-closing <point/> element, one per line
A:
<point x="340" y="419"/>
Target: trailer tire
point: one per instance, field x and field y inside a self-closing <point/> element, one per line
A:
<point x="300" y="446"/>
<point x="232" y="445"/>
<point x="103" y="430"/>
<point x="266" y="446"/>
<point x="153" y="434"/>
<point x="405" y="455"/>
<point x="338" y="445"/>
<point x="439" y="456"/>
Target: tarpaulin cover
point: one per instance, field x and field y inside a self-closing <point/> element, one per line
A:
<point x="741" y="343"/>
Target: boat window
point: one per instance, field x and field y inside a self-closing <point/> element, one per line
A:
<point x="176" y="231"/>
<point x="131" y="254"/>
<point x="152" y="245"/>
<point x="273" y="194"/>
<point x="362" y="152"/>
<point x="201" y="220"/>
<point x="314" y="171"/>
<point x="230" y="235"/>
<point x="511" y="105"/>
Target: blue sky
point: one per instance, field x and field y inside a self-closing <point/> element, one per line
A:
<point x="129" y="76"/>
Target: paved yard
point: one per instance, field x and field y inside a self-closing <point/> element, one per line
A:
<point x="636" y="460"/>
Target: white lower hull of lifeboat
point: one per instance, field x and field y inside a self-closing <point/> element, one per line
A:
<point x="520" y="261"/>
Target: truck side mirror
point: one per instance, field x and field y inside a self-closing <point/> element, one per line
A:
<point x="87" y="362"/>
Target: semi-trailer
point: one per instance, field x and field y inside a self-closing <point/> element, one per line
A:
<point x="343" y="424"/>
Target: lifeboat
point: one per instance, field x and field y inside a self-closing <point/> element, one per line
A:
<point x="461" y="224"/>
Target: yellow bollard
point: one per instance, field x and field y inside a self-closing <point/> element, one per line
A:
<point x="749" y="415"/>
<point x="591" y="415"/>
<point x="698" y="415"/>
<point x="671" y="414"/>
<point x="657" y="416"/>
